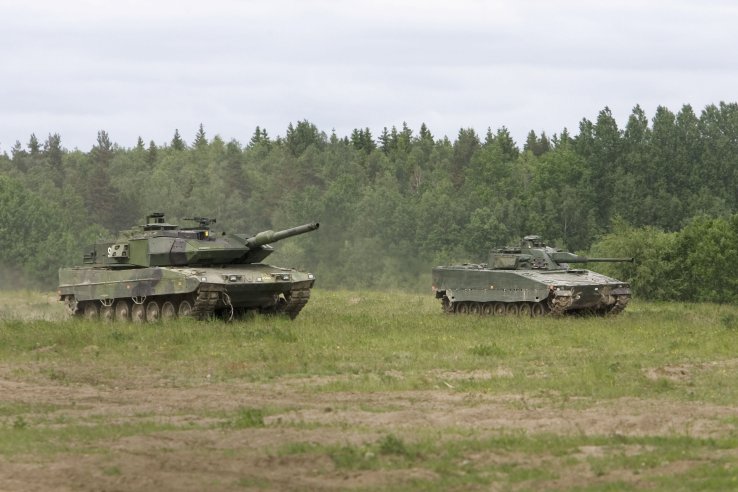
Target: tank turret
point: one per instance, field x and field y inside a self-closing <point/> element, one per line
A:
<point x="178" y="270"/>
<point x="158" y="243"/>
<point x="534" y="254"/>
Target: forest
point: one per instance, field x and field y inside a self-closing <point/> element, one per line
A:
<point x="663" y="188"/>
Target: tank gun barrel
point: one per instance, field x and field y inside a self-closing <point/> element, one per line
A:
<point x="604" y="260"/>
<point x="565" y="257"/>
<point x="266" y="237"/>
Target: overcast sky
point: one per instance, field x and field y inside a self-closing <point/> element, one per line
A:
<point x="145" y="68"/>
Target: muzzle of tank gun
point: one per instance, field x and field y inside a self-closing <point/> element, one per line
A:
<point x="266" y="237"/>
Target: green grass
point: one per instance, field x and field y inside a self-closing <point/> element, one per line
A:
<point x="485" y="462"/>
<point x="372" y="338"/>
<point x="350" y="343"/>
<point x="32" y="437"/>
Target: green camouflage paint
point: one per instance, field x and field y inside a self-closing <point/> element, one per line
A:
<point x="531" y="279"/>
<point x="164" y="270"/>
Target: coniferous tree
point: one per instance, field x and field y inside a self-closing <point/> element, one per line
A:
<point x="530" y="141"/>
<point x="33" y="145"/>
<point x="18" y="157"/>
<point x="439" y="200"/>
<point x="54" y="156"/>
<point x="425" y="135"/>
<point x="384" y="140"/>
<point x="200" y="138"/>
<point x="465" y="146"/>
<point x="606" y="151"/>
<point x="537" y="145"/>
<point x="362" y="139"/>
<point x="565" y="138"/>
<point x="102" y="153"/>
<point x="151" y="153"/>
<point x="305" y="134"/>
<point x="256" y="138"/>
<point x="631" y="181"/>
<point x="101" y="195"/>
<point x="404" y="138"/>
<point x="506" y="144"/>
<point x="177" y="142"/>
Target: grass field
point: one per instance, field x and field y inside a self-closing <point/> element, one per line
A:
<point x="370" y="391"/>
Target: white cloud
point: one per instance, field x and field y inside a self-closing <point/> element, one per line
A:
<point x="145" y="68"/>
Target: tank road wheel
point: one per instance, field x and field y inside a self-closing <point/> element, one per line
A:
<point x="537" y="309"/>
<point x="168" y="311"/>
<point x="488" y="309"/>
<point x="153" y="311"/>
<point x="463" y="308"/>
<point x="524" y="310"/>
<point x="106" y="313"/>
<point x="446" y="305"/>
<point x="138" y="313"/>
<point x="499" y="309"/>
<point x="90" y="310"/>
<point x="73" y="307"/>
<point x="122" y="310"/>
<point x="185" y="308"/>
<point x="475" y="308"/>
<point x="511" y="309"/>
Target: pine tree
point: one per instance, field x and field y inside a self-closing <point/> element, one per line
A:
<point x="151" y="153"/>
<point x="606" y="153"/>
<point x="362" y="140"/>
<point x="200" y="138"/>
<point x="464" y="148"/>
<point x="305" y="134"/>
<point x="255" y="138"/>
<point x="384" y="140"/>
<point x="506" y="144"/>
<point x="33" y="145"/>
<point x="530" y="142"/>
<point x="54" y="153"/>
<point x="18" y="157"/>
<point x="101" y="196"/>
<point x="102" y="153"/>
<point x="177" y="142"/>
<point x="425" y="134"/>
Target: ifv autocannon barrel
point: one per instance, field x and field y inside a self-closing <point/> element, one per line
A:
<point x="566" y="257"/>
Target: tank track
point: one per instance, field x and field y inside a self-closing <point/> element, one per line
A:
<point x="297" y="300"/>
<point x="619" y="306"/>
<point x="559" y="305"/>
<point x="206" y="301"/>
<point x="531" y="309"/>
<point x="554" y="306"/>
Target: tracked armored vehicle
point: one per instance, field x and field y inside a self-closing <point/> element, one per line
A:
<point x="161" y="270"/>
<point x="530" y="280"/>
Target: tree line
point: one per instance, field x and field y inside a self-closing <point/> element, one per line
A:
<point x="393" y="205"/>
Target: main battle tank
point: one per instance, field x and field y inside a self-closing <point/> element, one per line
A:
<point x="161" y="270"/>
<point x="533" y="279"/>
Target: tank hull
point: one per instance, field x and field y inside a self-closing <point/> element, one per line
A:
<point x="156" y="292"/>
<point x="475" y="288"/>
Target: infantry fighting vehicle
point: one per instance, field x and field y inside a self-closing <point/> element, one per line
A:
<point x="530" y="280"/>
<point x="161" y="270"/>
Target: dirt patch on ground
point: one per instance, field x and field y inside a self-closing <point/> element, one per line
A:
<point x="295" y="402"/>
<point x="207" y="451"/>
<point x="684" y="373"/>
